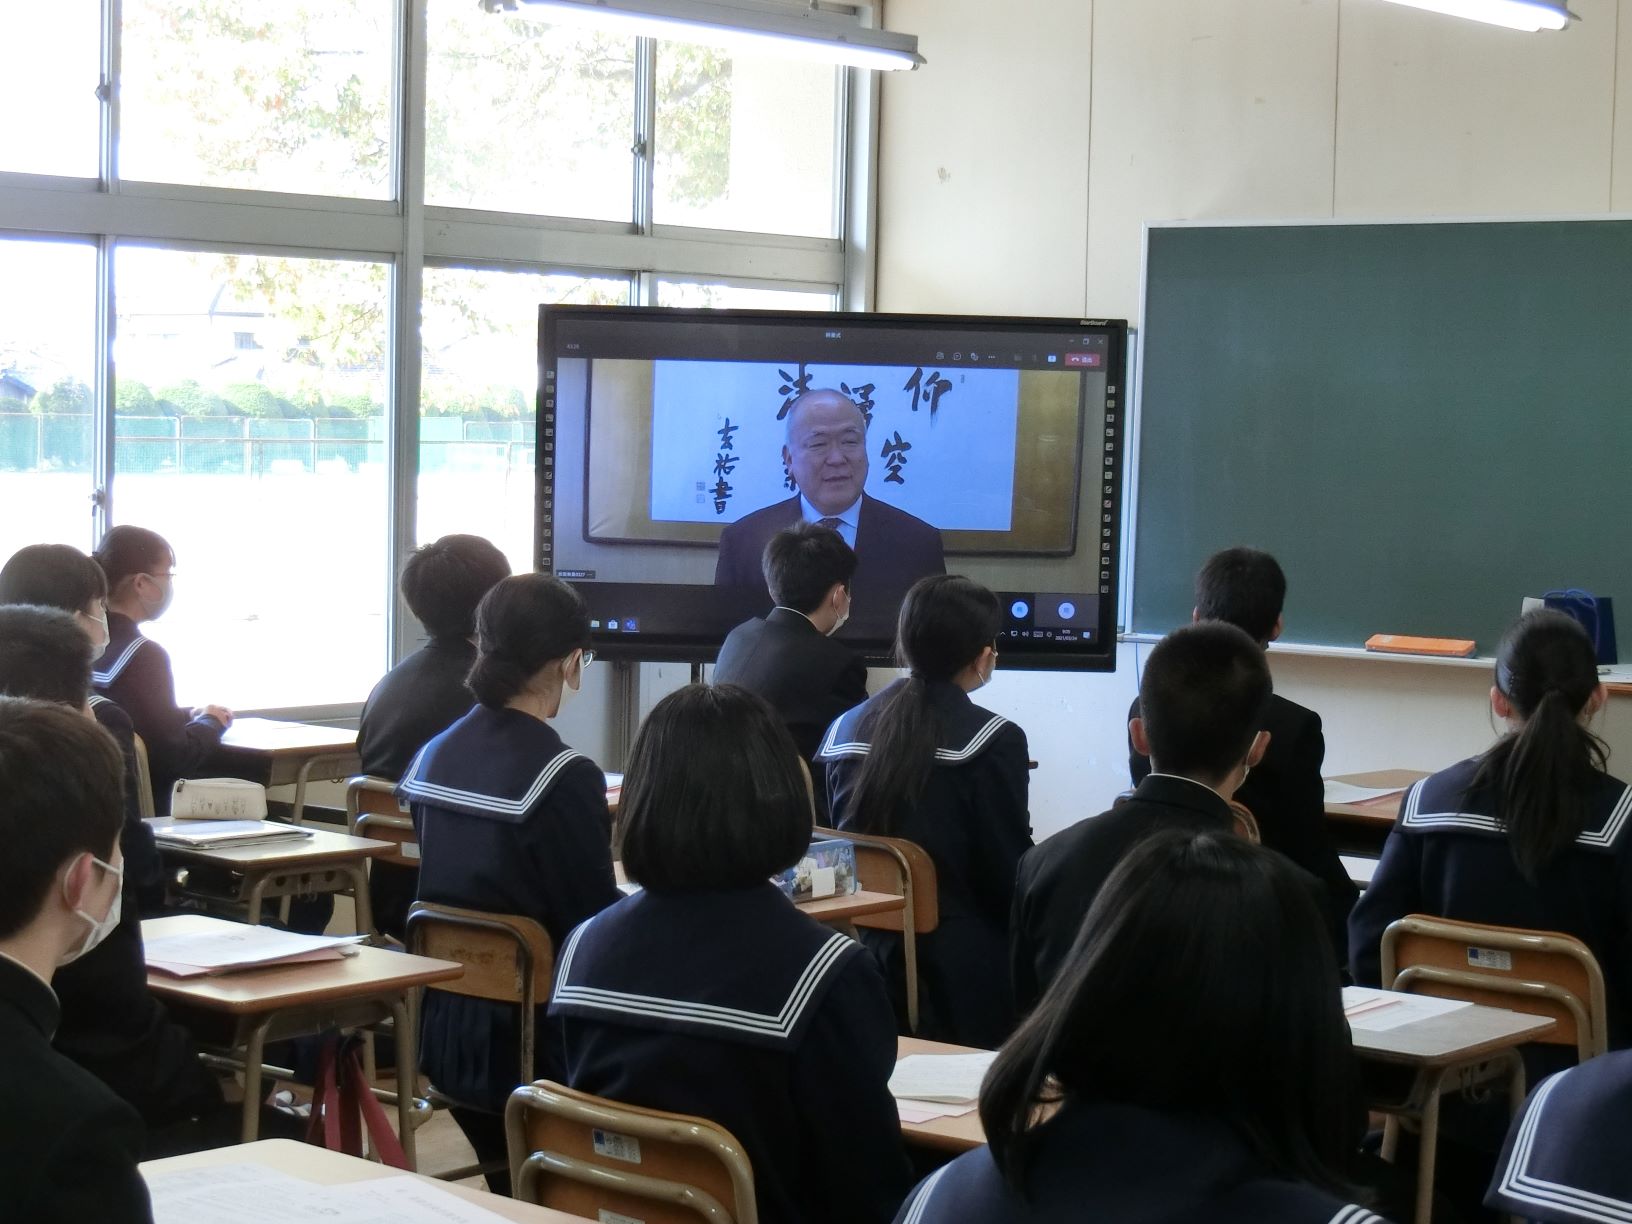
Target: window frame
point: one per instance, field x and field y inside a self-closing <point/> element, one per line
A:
<point x="407" y="235"/>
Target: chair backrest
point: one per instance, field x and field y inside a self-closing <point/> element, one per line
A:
<point x="507" y="959"/>
<point x="1246" y="824"/>
<point x="144" y="781"/>
<point x="592" y="1157"/>
<point x="898" y="867"/>
<point x="373" y="810"/>
<point x="1540" y="973"/>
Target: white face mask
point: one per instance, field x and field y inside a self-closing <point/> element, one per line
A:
<point x="101" y="927"/>
<point x="843" y="616"/>
<point x="572" y="679"/>
<point x="98" y="646"/>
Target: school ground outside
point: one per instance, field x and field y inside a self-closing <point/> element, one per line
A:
<point x="279" y="528"/>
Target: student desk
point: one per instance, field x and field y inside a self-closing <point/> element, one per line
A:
<point x="320" y="863"/>
<point x="1437" y="1048"/>
<point x="1364" y="826"/>
<point x="943" y="1134"/>
<point x="279" y="1002"/>
<point x="277" y="753"/>
<point x="830" y="911"/>
<point x="326" y="1168"/>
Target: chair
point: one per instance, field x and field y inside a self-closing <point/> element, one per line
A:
<point x="1536" y="972"/>
<point x="373" y="810"/>
<point x="144" y="781"/>
<point x="592" y="1157"/>
<point x="903" y="869"/>
<point x="507" y="959"/>
<point x="1246" y="824"/>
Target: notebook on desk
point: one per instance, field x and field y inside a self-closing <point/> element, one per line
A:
<point x="217" y="834"/>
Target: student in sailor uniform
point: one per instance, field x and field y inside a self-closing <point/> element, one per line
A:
<point x="1566" y="1156"/>
<point x="921" y="761"/>
<point x="1202" y="696"/>
<point x="510" y="820"/>
<point x="1531" y="834"/>
<point x="135" y="670"/>
<point x="426" y="693"/>
<point x="709" y="993"/>
<point x="68" y="1145"/>
<point x="1190" y="1063"/>
<point x="58" y="576"/>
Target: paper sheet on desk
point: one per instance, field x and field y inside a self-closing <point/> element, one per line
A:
<point x="251" y="1194"/>
<point x="913" y="1112"/>
<point x="235" y="945"/>
<point x="1377" y="1011"/>
<point x="946" y="1079"/>
<point x="1343" y="792"/>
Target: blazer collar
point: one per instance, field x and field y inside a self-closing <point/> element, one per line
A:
<point x="30" y="994"/>
<point x="1170" y="790"/>
<point x="792" y="618"/>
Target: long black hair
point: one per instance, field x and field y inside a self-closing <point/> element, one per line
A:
<point x="945" y="622"/>
<point x="1544" y="774"/>
<point x="524" y="622"/>
<point x="1201" y="981"/>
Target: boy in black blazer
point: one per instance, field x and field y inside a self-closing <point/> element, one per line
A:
<point x="68" y="1145"/>
<point x="1285" y="792"/>
<point x="790" y="657"/>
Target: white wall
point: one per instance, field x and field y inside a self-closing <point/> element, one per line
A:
<point x="1019" y="167"/>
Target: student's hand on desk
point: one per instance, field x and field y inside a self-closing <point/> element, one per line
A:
<point x="221" y="714"/>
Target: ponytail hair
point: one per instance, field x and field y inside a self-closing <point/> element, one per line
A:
<point x="946" y="621"/>
<point x="1544" y="774"/>
<point x="525" y="622"/>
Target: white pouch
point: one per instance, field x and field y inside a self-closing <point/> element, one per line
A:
<point x="217" y="799"/>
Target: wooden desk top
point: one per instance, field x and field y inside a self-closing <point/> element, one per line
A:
<point x="311" y="851"/>
<point x="274" y="737"/>
<point x="841" y="908"/>
<point x="372" y="971"/>
<point x="1381" y="811"/>
<point x="1468" y="1033"/>
<point x="946" y="1134"/>
<point x="326" y="1168"/>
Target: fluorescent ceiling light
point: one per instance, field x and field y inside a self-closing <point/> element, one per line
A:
<point x="1528" y="15"/>
<point x="794" y="31"/>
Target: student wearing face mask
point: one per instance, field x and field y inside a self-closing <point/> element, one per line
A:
<point x="59" y="576"/>
<point x="68" y="1145"/>
<point x="790" y="657"/>
<point x="921" y="761"/>
<point x="135" y="671"/>
<point x="509" y="819"/>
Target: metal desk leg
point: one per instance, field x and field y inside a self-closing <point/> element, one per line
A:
<point x="407" y="1076"/>
<point x="254" y="885"/>
<point x="254" y="1053"/>
<point x="362" y="904"/>
<point x="1428" y="1146"/>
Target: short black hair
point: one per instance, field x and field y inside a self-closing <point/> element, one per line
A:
<point x="802" y="563"/>
<point x="52" y="576"/>
<point x="1201" y="982"/>
<point x="62" y="793"/>
<point x="1245" y="587"/>
<point x="1202" y="698"/>
<point x="713" y="795"/>
<point x="44" y="655"/>
<point x="524" y="622"/>
<point x="127" y="551"/>
<point x="444" y="580"/>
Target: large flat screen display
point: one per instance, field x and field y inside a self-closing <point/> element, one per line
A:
<point x="672" y="444"/>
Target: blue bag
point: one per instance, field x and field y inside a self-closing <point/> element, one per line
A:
<point x="1596" y="615"/>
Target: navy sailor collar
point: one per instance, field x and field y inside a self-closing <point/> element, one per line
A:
<point x="125" y="638"/>
<point x="1442" y="803"/>
<point x="967" y="729"/>
<point x="498" y="764"/>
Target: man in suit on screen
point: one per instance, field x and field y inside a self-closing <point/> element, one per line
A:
<point x="826" y="454"/>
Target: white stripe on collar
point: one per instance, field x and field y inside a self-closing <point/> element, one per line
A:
<point x="764" y="1024"/>
<point x="1519" y="1183"/>
<point x="947" y="756"/>
<point x="431" y="792"/>
<point x="104" y="678"/>
<point x="1356" y="1214"/>
<point x="1604" y="836"/>
<point x="920" y="1200"/>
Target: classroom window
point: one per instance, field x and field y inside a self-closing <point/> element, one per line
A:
<point x="264" y="468"/>
<point x="47" y="371"/>
<point x="52" y="58"/>
<point x="725" y="296"/>
<point x="292" y="97"/>
<point x="528" y="118"/>
<point x="478" y="379"/>
<point x="746" y="142"/>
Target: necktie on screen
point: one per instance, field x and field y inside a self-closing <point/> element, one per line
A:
<point x="831" y="523"/>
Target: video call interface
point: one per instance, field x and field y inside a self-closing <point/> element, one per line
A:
<point x="673" y="444"/>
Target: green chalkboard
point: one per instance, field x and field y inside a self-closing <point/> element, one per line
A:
<point x="1424" y="422"/>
